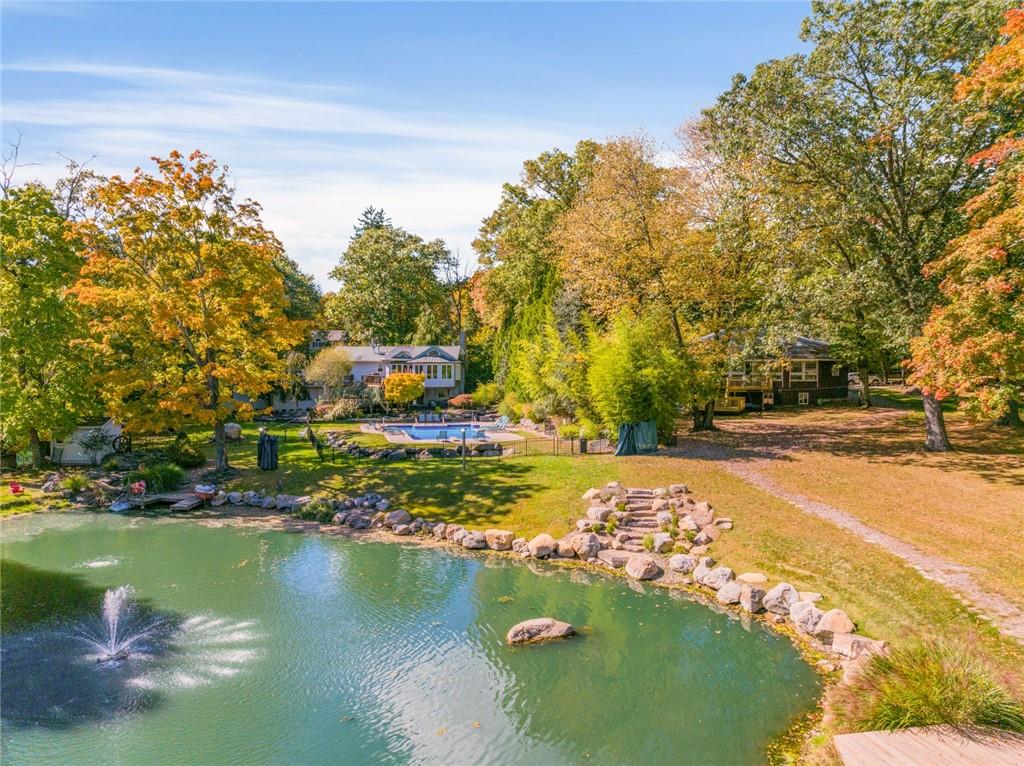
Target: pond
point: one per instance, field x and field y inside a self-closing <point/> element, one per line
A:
<point x="268" y="647"/>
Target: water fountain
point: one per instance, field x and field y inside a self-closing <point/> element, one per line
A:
<point x="121" y="630"/>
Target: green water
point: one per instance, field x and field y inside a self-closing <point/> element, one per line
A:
<point x="301" y="649"/>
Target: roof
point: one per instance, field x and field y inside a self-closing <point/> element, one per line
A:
<point x="799" y="347"/>
<point x="429" y="354"/>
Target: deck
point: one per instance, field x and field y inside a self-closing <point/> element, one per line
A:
<point x="930" y="745"/>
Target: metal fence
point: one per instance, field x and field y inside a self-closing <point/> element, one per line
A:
<point x="555" y="445"/>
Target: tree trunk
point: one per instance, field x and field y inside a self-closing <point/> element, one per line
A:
<point x="709" y="416"/>
<point x="1012" y="416"/>
<point x="935" y="439"/>
<point x="865" y="386"/>
<point x="220" y="442"/>
<point x="37" y="448"/>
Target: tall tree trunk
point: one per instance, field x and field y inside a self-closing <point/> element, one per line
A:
<point x="37" y="448"/>
<point x="1012" y="416"/>
<point x="865" y="386"/>
<point x="935" y="439"/>
<point x="220" y="443"/>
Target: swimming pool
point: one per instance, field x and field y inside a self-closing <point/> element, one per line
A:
<point x="433" y="432"/>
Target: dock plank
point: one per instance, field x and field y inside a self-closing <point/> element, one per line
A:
<point x="929" y="745"/>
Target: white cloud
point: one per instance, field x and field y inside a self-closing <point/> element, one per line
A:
<point x="314" y="155"/>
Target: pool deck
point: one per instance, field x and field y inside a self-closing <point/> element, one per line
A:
<point x="932" y="746"/>
<point x="498" y="437"/>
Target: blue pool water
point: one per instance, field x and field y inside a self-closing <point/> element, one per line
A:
<point x="438" y="431"/>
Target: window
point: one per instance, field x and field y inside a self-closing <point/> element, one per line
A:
<point x="803" y="398"/>
<point x="803" y="372"/>
<point x="446" y="371"/>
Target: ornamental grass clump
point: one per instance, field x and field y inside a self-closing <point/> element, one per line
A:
<point x="161" y="477"/>
<point x="75" y="483"/>
<point x="925" y="684"/>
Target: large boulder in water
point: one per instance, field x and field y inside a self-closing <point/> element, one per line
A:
<point x="586" y="546"/>
<point x="396" y="517"/>
<point x="537" y="630"/>
<point x="542" y="546"/>
<point x="642" y="567"/>
<point x="499" y="539"/>
<point x="780" y="598"/>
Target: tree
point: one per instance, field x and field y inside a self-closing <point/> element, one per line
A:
<point x="371" y="218"/>
<point x="403" y="388"/>
<point x="44" y="369"/>
<point x="388" y="276"/>
<point x="331" y="369"/>
<point x="625" y="241"/>
<point x="187" y="308"/>
<point x="973" y="343"/>
<point x="862" y="143"/>
<point x="638" y="372"/>
<point x="304" y="297"/>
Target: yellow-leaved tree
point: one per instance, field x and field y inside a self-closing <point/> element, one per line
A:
<point x="186" y="308"/>
<point x="403" y="387"/>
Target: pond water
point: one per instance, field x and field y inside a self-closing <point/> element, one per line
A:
<point x="276" y="648"/>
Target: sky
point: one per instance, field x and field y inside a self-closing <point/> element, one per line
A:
<point x="321" y="109"/>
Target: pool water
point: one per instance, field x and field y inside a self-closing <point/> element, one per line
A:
<point x="309" y="649"/>
<point x="437" y="432"/>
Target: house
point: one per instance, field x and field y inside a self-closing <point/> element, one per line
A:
<point x="321" y="339"/>
<point x="441" y="367"/>
<point x="805" y="373"/>
<point x="72" y="449"/>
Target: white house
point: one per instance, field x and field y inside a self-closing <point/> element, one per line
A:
<point x="441" y="367"/>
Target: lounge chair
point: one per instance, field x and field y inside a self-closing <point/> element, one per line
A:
<point x="498" y="425"/>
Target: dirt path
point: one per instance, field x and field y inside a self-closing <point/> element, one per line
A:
<point x="747" y="464"/>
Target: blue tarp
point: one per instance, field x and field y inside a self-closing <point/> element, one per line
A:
<point x="637" y="438"/>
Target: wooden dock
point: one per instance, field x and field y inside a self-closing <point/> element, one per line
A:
<point x="931" y="746"/>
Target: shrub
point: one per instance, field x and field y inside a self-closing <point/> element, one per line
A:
<point x="111" y="463"/>
<point x="511" y="408"/>
<point x="589" y="429"/>
<point x="569" y="431"/>
<point x="599" y="527"/>
<point x="321" y="511"/>
<point x="161" y="477"/>
<point x="486" y="394"/>
<point x="649" y="541"/>
<point x="184" y="453"/>
<point x="924" y="684"/>
<point x="612" y="524"/>
<point x="462" y="401"/>
<point x="76" y="482"/>
<point x="343" y="409"/>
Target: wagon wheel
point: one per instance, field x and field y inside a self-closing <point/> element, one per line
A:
<point x="122" y="444"/>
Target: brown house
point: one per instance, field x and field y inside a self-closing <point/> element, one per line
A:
<point x="806" y="373"/>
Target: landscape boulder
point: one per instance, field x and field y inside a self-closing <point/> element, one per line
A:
<point x="438" y="530"/>
<point x="459" y="535"/>
<point x="751" y="598"/>
<point x="474" y="540"/>
<point x="677" y="489"/>
<point x="402" y="529"/>
<point x="805" y="616"/>
<point x="339" y="517"/>
<point x="614" y="558"/>
<point x="450" y="530"/>
<point x="537" y="630"/>
<point x="687" y="524"/>
<point x="590" y="494"/>
<point x="642" y="567"/>
<point x="702" y="514"/>
<point x="780" y="598"/>
<point x="730" y="593"/>
<point x="703" y="568"/>
<point x="565" y="549"/>
<point x="542" y="546"/>
<point x="499" y="539"/>
<point x="235" y="498"/>
<point x="521" y="546"/>
<point x="663" y="517"/>
<point x="853" y="646"/>
<point x="233" y="431"/>
<point x="718" y="577"/>
<point x="663" y="542"/>
<point x="682" y="562"/>
<point x="586" y="546"/>
<point x="707" y="535"/>
<point x="832" y="622"/>
<point x="358" y="521"/>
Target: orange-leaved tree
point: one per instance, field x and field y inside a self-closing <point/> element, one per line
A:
<point x="403" y="387"/>
<point x="973" y="343"/>
<point x="187" y="309"/>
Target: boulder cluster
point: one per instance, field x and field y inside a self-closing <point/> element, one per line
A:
<point x="256" y="499"/>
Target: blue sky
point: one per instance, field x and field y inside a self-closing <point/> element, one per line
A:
<point x="323" y="108"/>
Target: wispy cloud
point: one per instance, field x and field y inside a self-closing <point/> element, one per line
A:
<point x="314" y="154"/>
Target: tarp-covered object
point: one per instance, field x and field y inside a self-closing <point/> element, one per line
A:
<point x="637" y="438"/>
<point x="266" y="452"/>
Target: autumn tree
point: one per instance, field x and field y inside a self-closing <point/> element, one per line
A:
<point x="403" y="388"/>
<point x="973" y="343"/>
<point x="44" y="369"/>
<point x="187" y="309"/>
<point x="862" y="142"/>
<point x="331" y="368"/>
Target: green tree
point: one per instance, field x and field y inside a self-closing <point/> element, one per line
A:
<point x="638" y="372"/>
<point x="388" y="277"/>
<point x="44" y="367"/>
<point x="304" y="297"/>
<point x="862" y="143"/>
